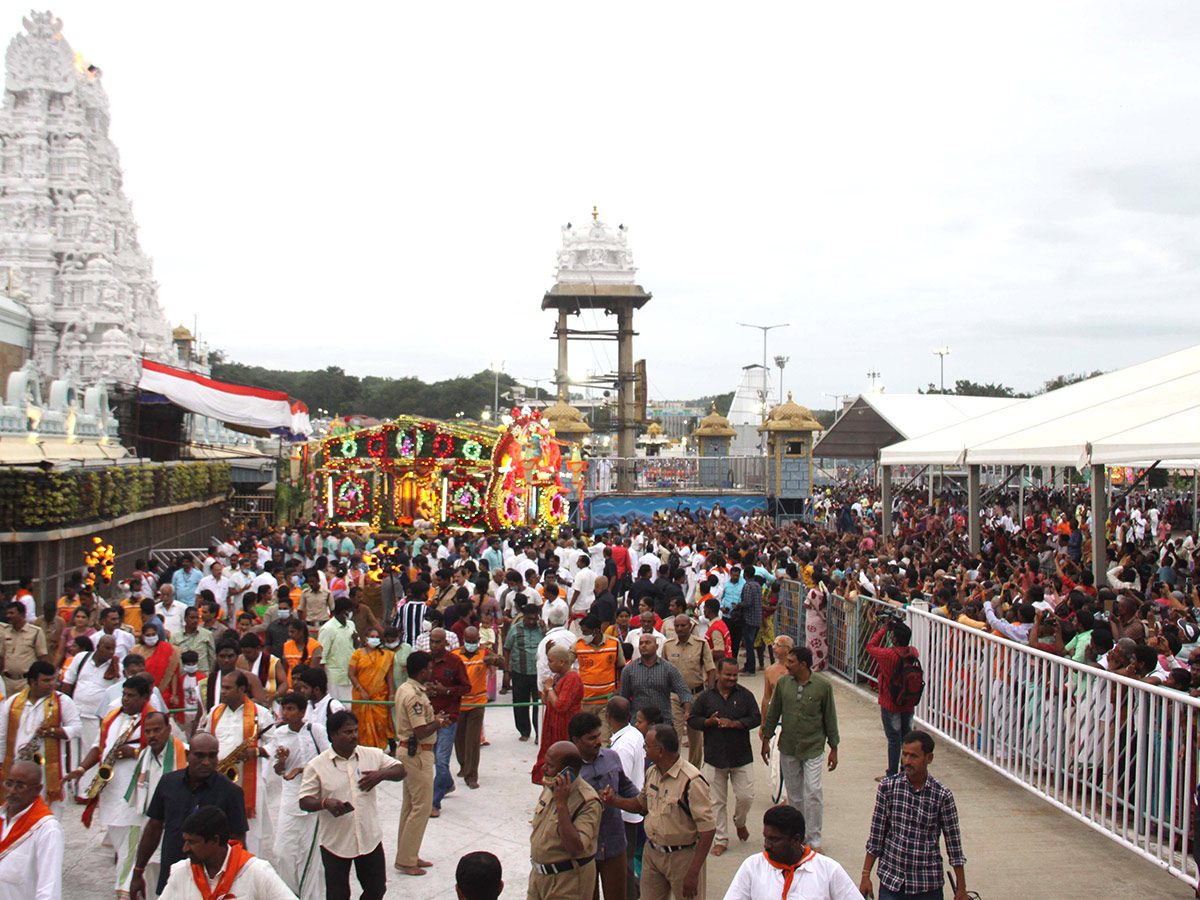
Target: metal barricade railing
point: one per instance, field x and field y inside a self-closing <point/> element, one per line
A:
<point x="789" y="617"/>
<point x="1116" y="754"/>
<point x="674" y="473"/>
<point x="842" y="637"/>
<point x="869" y="614"/>
<point x="166" y="556"/>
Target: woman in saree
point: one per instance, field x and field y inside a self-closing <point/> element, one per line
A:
<point x="162" y="664"/>
<point x="563" y="698"/>
<point x="371" y="677"/>
<point x="300" y="649"/>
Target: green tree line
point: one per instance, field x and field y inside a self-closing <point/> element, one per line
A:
<point x="333" y="390"/>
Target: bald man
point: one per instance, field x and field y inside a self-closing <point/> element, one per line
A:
<point x="31" y="866"/>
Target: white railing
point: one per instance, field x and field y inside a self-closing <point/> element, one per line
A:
<point x="675" y="473"/>
<point x="1114" y="753"/>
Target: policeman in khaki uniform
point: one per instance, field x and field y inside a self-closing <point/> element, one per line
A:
<point x="693" y="658"/>
<point x="416" y="729"/>
<point x="566" y="827"/>
<point x="679" y="820"/>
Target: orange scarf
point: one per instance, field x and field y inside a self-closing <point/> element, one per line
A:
<point x="238" y="857"/>
<point x="34" y="813"/>
<point x="249" y="769"/>
<point x="789" y="872"/>
<point x="53" y="717"/>
<point x="90" y="809"/>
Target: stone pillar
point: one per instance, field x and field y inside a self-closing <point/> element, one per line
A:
<point x="626" y="414"/>
<point x="561" y="379"/>
<point x="1099" y="520"/>
<point x="973" y="507"/>
<point x="886" y="500"/>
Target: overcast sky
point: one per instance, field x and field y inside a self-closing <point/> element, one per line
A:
<point x="382" y="186"/>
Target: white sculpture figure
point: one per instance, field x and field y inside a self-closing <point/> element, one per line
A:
<point x="595" y="254"/>
<point x="14" y="290"/>
<point x="67" y="226"/>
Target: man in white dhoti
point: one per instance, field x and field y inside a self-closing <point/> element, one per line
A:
<point x="115" y="756"/>
<point x="38" y="720"/>
<point x="297" y="855"/>
<point x="239" y="722"/>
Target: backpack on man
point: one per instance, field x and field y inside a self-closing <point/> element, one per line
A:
<point x="907" y="681"/>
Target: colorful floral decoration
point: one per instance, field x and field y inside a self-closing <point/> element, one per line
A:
<point x="459" y="474"/>
<point x="351" y="498"/>
<point x="443" y="445"/>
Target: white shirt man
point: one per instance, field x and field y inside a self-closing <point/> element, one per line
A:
<point x="582" y="590"/>
<point x="256" y="879"/>
<point x="31" y="867"/>
<point x="92" y="681"/>
<point x="217" y="582"/>
<point x="557" y="635"/>
<point x="229" y="733"/>
<point x="319" y="712"/>
<point x="240" y="580"/>
<point x="112" y="699"/>
<point x="114" y="812"/>
<point x="816" y="877"/>
<point x="33" y="714"/>
<point x="265" y="578"/>
<point x="630" y="744"/>
<point x="296" y="855"/>
<point x="525" y="563"/>
<point x="172" y="612"/>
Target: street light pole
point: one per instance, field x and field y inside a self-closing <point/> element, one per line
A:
<point x="941" y="353"/>
<point x="764" y="329"/>
<point x="781" y="361"/>
<point x="497" y="368"/>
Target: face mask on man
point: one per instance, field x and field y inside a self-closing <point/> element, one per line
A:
<point x="426" y="626"/>
<point x="392" y="645"/>
<point x="470" y="648"/>
<point x="150" y="640"/>
<point x="285" y="614"/>
<point x="191" y="670"/>
<point x="372" y="642"/>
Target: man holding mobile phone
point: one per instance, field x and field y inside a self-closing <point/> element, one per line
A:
<point x="340" y="785"/>
<point x="566" y="829"/>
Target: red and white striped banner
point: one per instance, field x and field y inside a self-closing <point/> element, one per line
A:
<point x="235" y="404"/>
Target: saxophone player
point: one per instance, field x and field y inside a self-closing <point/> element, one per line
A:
<point x="239" y="724"/>
<point x="116" y="750"/>
<point x="38" y="723"/>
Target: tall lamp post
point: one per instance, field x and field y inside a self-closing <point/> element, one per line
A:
<point x="497" y="368"/>
<point x="764" y="329"/>
<point x="837" y="398"/>
<point x="941" y="353"/>
<point x="781" y="361"/>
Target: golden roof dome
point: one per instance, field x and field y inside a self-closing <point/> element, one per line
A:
<point x="181" y="333"/>
<point x="790" y="416"/>
<point x="654" y="430"/>
<point x="565" y="419"/>
<point x="714" y="425"/>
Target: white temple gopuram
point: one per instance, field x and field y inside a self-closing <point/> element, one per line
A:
<point x="69" y="253"/>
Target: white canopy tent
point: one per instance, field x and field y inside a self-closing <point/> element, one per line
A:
<point x="1145" y="413"/>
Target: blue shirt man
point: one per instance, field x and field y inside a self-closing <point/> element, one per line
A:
<point x="602" y="769"/>
<point x="185" y="581"/>
<point x="733" y="590"/>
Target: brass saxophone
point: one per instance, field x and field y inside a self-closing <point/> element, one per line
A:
<point x="104" y="772"/>
<point x="229" y="765"/>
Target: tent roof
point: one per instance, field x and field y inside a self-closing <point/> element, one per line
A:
<point x="874" y="421"/>
<point x="1139" y="414"/>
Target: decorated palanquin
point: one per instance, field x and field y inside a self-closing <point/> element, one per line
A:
<point x="459" y="475"/>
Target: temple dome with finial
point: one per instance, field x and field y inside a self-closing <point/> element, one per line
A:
<point x="595" y="253"/>
<point x="790" y="416"/>
<point x="566" y="420"/>
<point x="714" y="425"/>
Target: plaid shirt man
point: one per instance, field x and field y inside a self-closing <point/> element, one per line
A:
<point x="905" y="828"/>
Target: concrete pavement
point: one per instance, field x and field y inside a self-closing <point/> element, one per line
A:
<point x="1018" y="847"/>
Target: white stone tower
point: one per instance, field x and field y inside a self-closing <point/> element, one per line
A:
<point x="66" y="227"/>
